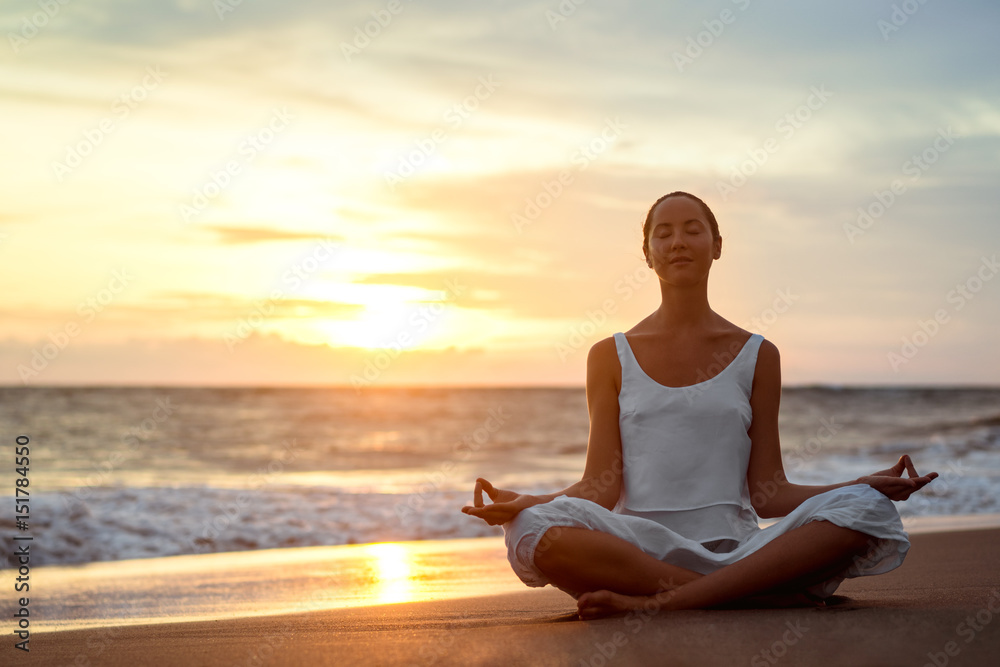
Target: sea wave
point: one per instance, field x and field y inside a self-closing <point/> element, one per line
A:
<point x="103" y="524"/>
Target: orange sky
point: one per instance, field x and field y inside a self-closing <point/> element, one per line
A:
<point x="269" y="196"/>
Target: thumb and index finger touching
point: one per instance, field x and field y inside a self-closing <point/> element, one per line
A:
<point x="481" y="485"/>
<point x="905" y="462"/>
<point x="477" y="500"/>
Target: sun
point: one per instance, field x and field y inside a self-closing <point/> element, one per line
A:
<point x="393" y="316"/>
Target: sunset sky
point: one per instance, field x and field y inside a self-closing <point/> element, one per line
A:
<point x="264" y="192"/>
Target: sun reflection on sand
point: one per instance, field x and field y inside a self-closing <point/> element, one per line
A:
<point x="271" y="581"/>
<point x="393" y="567"/>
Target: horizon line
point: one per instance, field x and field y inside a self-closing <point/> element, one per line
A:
<point x="806" y="385"/>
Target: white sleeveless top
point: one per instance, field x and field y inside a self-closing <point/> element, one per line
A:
<point x="685" y="450"/>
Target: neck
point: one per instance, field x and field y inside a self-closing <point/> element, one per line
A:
<point x="684" y="309"/>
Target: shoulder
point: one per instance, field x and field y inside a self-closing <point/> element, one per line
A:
<point x="767" y="354"/>
<point x="602" y="362"/>
<point x="735" y="339"/>
<point x="767" y="373"/>
<point x="603" y="353"/>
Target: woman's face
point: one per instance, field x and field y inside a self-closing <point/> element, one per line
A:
<point x="680" y="241"/>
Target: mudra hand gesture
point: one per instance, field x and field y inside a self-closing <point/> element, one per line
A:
<point x="506" y="504"/>
<point x="892" y="483"/>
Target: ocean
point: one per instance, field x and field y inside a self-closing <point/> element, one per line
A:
<point x="122" y="473"/>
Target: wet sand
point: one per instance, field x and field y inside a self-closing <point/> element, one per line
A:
<point x="941" y="607"/>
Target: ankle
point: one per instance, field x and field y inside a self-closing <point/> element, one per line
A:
<point x="662" y="600"/>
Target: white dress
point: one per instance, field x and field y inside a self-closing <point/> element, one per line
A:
<point x="685" y="499"/>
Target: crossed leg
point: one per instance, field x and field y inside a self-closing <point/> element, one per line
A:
<point x="617" y="576"/>
<point x="582" y="559"/>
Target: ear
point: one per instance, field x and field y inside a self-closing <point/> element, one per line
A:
<point x="718" y="248"/>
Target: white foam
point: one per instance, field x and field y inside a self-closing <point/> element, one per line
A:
<point x="115" y="524"/>
<point x="105" y="524"/>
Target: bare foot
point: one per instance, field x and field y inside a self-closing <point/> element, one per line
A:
<point x="598" y="604"/>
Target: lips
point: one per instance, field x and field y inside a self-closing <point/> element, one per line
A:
<point x="678" y="260"/>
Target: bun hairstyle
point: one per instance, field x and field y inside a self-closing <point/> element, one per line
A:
<point x="704" y="209"/>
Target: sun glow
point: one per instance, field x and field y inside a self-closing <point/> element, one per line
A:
<point x="393" y="569"/>
<point x="397" y="316"/>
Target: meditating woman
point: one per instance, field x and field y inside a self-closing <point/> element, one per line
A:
<point x="683" y="457"/>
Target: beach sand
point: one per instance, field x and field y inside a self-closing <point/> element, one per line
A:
<point x="941" y="607"/>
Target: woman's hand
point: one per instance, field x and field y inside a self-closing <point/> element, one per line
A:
<point x="892" y="483"/>
<point x="506" y="504"/>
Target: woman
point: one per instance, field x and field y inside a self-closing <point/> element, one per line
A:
<point x="683" y="456"/>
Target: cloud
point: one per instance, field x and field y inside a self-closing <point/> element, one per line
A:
<point x="160" y="308"/>
<point x="271" y="361"/>
<point x="244" y="235"/>
<point x="355" y="119"/>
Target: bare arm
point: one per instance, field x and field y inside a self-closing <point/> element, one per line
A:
<point x="602" y="476"/>
<point x="771" y="494"/>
